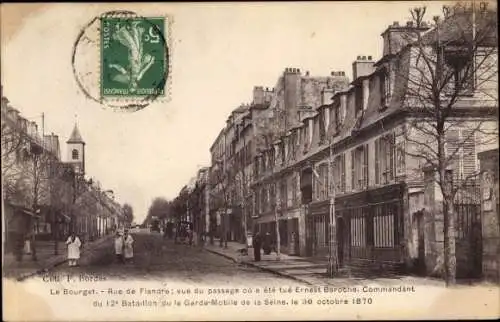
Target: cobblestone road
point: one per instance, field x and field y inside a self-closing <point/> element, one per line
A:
<point x="158" y="259"/>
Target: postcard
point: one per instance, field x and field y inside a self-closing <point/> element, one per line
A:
<point x="250" y="161"/>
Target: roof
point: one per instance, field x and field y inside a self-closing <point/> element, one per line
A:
<point x="75" y="137"/>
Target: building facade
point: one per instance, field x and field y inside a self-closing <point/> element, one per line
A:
<point x="376" y="154"/>
<point x="362" y="147"/>
<point x="44" y="197"/>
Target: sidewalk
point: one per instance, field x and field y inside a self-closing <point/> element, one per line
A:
<point x="294" y="267"/>
<point x="45" y="258"/>
<point x="307" y="271"/>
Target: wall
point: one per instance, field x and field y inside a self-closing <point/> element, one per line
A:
<point x="490" y="216"/>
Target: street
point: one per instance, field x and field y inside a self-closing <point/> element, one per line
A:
<point x="163" y="260"/>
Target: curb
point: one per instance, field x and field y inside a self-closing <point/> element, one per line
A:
<point x="52" y="265"/>
<point x="269" y="270"/>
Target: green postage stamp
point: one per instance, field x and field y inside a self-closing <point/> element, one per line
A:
<point x="132" y="57"/>
<point x="121" y="60"/>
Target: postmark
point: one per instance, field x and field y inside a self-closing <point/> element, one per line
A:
<point x="121" y="60"/>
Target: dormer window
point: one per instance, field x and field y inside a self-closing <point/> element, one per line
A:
<point x="74" y="154"/>
<point x="358" y="92"/>
<point x="385" y="88"/>
<point x="338" y="121"/>
<point x="460" y="72"/>
<point x="322" y="129"/>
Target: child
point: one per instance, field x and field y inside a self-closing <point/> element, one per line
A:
<point x="119" y="247"/>
<point x="74" y="245"/>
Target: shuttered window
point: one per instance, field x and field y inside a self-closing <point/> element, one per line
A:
<point x="358" y="229"/>
<point x="353" y="172"/>
<point x="469" y="153"/>
<point x="365" y="166"/>
<point x="453" y="151"/>
<point x="377" y="161"/>
<point x="342" y="173"/>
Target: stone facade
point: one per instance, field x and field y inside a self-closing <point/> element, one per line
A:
<point x="490" y="215"/>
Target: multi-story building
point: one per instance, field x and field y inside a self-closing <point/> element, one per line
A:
<point x="295" y="101"/>
<point x="43" y="196"/>
<point x="362" y="147"/>
<point x="198" y="206"/>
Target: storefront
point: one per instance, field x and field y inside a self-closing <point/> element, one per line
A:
<point x="370" y="227"/>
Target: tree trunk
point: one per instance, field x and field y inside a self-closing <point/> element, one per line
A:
<point x="278" y="237"/>
<point x="450" y="260"/>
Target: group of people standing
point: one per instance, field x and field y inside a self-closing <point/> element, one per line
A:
<point x="124" y="249"/>
<point x="262" y="242"/>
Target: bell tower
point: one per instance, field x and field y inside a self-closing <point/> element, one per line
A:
<point x="76" y="151"/>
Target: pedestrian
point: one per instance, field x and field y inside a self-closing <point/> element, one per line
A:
<point x="257" y="242"/>
<point x="74" y="245"/>
<point x="189" y="232"/>
<point x="266" y="246"/>
<point x="119" y="245"/>
<point x="128" y="250"/>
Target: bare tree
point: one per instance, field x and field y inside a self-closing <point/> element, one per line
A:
<point x="450" y="75"/>
<point x="128" y="213"/>
<point x="222" y="198"/>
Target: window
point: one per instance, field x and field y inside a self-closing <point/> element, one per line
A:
<point x="272" y="196"/>
<point x="74" y="154"/>
<point x="384" y="159"/>
<point x="283" y="193"/>
<point x="359" y="98"/>
<point x="321" y="182"/>
<point x="358" y="229"/>
<point x="322" y="130"/>
<point x="385" y="88"/>
<point x="383" y="227"/>
<point x="461" y="153"/>
<point x="461" y="72"/>
<point x="283" y="152"/>
<point x="294" y="199"/>
<point x="336" y="111"/>
<point x="359" y="167"/>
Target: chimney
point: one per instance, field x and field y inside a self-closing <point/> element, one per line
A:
<point x="258" y="95"/>
<point x="290" y="70"/>
<point x="396" y="36"/>
<point x="362" y="67"/>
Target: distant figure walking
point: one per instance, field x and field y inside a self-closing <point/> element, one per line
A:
<point x="257" y="243"/>
<point x="119" y="245"/>
<point x="74" y="245"/>
<point x="267" y="243"/>
<point x="128" y="250"/>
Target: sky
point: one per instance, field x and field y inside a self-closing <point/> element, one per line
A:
<point x="218" y="53"/>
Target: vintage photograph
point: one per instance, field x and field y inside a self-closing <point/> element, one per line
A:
<point x="250" y="161"/>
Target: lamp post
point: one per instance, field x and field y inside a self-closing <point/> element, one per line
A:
<point x="332" y="249"/>
<point x="333" y="266"/>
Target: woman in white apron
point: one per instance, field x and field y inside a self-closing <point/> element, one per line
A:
<point x="128" y="250"/>
<point x="74" y="245"/>
<point x="119" y="247"/>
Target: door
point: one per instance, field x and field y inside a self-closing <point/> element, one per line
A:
<point x="340" y="240"/>
<point x="309" y="237"/>
<point x="420" y="265"/>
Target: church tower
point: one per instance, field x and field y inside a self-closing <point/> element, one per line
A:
<point x="76" y="151"/>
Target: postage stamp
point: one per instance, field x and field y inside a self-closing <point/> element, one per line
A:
<point x="122" y="60"/>
<point x="132" y="57"/>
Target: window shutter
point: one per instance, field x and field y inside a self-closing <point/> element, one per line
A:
<point x="453" y="152"/>
<point x="392" y="154"/>
<point x="377" y="163"/>
<point x="342" y="171"/>
<point x="365" y="166"/>
<point x="353" y="177"/>
<point x="469" y="152"/>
